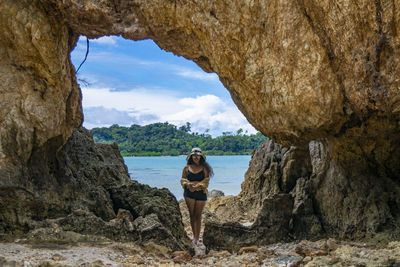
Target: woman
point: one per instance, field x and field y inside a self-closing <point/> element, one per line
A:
<point x="195" y="177"/>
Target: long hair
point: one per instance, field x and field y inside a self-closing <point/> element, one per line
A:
<point x="203" y="163"/>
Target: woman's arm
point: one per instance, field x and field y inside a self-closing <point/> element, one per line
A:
<point x="203" y="184"/>
<point x="184" y="181"/>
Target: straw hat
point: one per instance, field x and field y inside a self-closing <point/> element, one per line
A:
<point x="196" y="151"/>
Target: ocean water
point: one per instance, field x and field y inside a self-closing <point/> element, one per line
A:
<point x="166" y="172"/>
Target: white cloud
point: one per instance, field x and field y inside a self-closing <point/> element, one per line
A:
<point x="105" y="40"/>
<point x="143" y="106"/>
<point x="140" y="99"/>
<point x="196" y="74"/>
<point x="100" y="116"/>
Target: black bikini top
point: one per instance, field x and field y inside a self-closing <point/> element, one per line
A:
<point x="198" y="176"/>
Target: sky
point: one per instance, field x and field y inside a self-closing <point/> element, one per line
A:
<point x="136" y="82"/>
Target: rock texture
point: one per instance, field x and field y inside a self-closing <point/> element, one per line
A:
<point x="40" y="99"/>
<point x="298" y="70"/>
<point x="307" y="196"/>
<point x="304" y="253"/>
<point x="275" y="197"/>
<point x="83" y="192"/>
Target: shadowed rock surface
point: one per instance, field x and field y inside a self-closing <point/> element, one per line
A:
<point x="317" y="201"/>
<point x="271" y="225"/>
<point x="82" y="193"/>
<point x="298" y="70"/>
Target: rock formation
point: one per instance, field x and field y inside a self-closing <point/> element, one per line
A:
<point x="83" y="193"/>
<point x="298" y="70"/>
<point x="300" y="191"/>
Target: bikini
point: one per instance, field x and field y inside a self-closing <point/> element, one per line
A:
<point x="195" y="177"/>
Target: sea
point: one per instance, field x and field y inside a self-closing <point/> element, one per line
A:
<point x="166" y="172"/>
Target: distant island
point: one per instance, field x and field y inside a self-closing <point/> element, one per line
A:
<point x="165" y="139"/>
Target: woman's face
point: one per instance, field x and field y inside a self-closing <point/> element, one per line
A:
<point x="196" y="159"/>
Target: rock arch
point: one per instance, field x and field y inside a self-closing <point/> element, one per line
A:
<point x="298" y="70"/>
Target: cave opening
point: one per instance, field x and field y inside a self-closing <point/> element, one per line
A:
<point x="130" y="85"/>
<point x="127" y="85"/>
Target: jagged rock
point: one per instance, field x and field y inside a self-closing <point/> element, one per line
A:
<point x="273" y="170"/>
<point x="215" y="193"/>
<point x="271" y="225"/>
<point x="80" y="189"/>
<point x="317" y="187"/>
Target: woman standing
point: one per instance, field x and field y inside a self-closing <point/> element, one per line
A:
<point x="195" y="178"/>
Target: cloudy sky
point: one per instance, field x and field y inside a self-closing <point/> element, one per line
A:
<point x="138" y="83"/>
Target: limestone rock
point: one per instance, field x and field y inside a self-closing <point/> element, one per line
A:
<point x="318" y="187"/>
<point x="271" y="225"/>
<point x="75" y="194"/>
<point x="215" y="193"/>
<point x="40" y="99"/>
<point x="273" y="171"/>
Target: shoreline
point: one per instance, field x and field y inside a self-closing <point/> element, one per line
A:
<point x="182" y="155"/>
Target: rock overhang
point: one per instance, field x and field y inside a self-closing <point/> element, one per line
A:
<point x="297" y="70"/>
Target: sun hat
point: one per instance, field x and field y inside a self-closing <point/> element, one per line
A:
<point x="196" y="151"/>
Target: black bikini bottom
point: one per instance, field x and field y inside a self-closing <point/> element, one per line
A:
<point x="198" y="195"/>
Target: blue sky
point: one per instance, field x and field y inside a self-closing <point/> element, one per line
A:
<point x="138" y="83"/>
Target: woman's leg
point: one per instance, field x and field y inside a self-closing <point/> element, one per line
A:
<point x="190" y="203"/>
<point x="198" y="210"/>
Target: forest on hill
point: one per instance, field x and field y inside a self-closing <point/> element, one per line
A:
<point x="165" y="139"/>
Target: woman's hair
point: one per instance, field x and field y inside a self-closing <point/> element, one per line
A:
<point x="203" y="163"/>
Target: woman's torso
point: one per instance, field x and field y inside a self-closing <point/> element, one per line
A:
<point x="195" y="175"/>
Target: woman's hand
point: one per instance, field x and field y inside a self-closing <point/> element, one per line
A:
<point x="197" y="187"/>
<point x="190" y="187"/>
<point x="193" y="187"/>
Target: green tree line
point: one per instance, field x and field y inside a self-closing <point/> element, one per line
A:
<point x="162" y="139"/>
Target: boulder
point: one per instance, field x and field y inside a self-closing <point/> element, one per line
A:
<point x="215" y="193"/>
<point x="272" y="225"/>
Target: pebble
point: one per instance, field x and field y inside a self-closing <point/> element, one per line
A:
<point x="331" y="244"/>
<point x="210" y="262"/>
<point x="219" y="254"/>
<point x="181" y="256"/>
<point x="247" y="249"/>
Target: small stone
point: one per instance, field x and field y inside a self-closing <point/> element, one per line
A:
<point x="320" y="252"/>
<point x="334" y="260"/>
<point x="180" y="256"/>
<point x="307" y="259"/>
<point x="136" y="260"/>
<point x="247" y="249"/>
<point x="58" y="257"/>
<point x="223" y="253"/>
<point x="210" y="262"/>
<point x="331" y="244"/>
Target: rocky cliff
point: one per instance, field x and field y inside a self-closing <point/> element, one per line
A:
<point x="298" y="70"/>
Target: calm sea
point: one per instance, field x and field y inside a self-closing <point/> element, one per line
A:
<point x="166" y="172"/>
